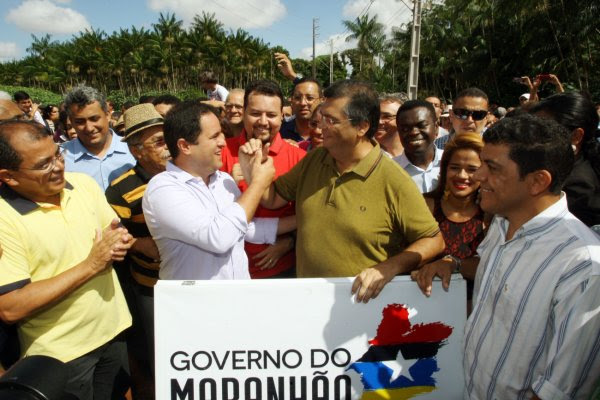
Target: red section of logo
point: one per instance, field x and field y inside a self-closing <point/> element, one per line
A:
<point x="395" y="328"/>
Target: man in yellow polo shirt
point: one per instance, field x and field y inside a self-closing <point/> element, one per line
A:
<point x="358" y="213"/>
<point x="60" y="237"/>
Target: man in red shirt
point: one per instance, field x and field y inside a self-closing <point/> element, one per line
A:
<point x="263" y="102"/>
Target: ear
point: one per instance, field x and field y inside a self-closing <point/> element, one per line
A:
<point x="363" y="127"/>
<point x="539" y="181"/>
<point x="577" y="136"/>
<point x="6" y="177"/>
<point x="135" y="152"/>
<point x="183" y="146"/>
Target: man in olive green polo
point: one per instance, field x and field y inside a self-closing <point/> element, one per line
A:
<point x="358" y="213"/>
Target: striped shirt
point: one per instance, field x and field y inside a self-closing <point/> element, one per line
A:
<point x="440" y="141"/>
<point x="535" y="325"/>
<point x="125" y="196"/>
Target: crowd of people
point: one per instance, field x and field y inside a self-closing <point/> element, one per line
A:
<point x="97" y="205"/>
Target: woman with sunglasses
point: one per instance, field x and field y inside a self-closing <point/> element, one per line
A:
<point x="454" y="205"/>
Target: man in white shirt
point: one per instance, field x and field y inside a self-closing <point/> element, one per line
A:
<point x="534" y="332"/>
<point x="196" y="213"/>
<point x="418" y="128"/>
<point x="24" y="102"/>
<point x="214" y="91"/>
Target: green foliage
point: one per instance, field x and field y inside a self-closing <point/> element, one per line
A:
<point x="39" y="96"/>
<point x="464" y="43"/>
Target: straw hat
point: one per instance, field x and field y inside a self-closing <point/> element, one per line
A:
<point x="138" y="118"/>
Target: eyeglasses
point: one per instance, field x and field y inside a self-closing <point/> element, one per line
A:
<point x="299" y="98"/>
<point x="387" y="117"/>
<point x="331" y="121"/>
<point x="462" y="113"/>
<point x="314" y="124"/>
<point x="49" y="165"/>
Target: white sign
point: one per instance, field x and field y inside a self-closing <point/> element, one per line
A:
<point x="307" y="339"/>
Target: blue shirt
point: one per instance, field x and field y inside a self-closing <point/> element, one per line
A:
<point x="288" y="130"/>
<point x="104" y="170"/>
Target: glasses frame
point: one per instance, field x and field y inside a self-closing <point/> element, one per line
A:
<point x="464" y="114"/>
<point x="329" y="121"/>
<point x="51" y="164"/>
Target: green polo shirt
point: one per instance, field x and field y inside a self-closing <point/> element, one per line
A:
<point x="355" y="220"/>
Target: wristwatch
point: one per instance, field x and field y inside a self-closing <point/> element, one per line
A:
<point x="456" y="261"/>
<point x="297" y="79"/>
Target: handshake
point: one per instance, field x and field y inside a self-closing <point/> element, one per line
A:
<point x="255" y="164"/>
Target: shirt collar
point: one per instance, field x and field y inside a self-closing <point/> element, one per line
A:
<point x="437" y="158"/>
<point x="365" y="166"/>
<point x="541" y="222"/>
<point x="116" y="146"/>
<point x="21" y="204"/>
<point x="142" y="173"/>
<point x="184" y="176"/>
<point x="276" y="143"/>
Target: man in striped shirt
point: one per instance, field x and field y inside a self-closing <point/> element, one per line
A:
<point x="145" y="138"/>
<point x="535" y="327"/>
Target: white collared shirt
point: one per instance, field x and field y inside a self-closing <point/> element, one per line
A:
<point x="535" y="325"/>
<point x="199" y="229"/>
<point x="425" y="179"/>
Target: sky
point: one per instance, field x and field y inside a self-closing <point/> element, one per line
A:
<point x="278" y="22"/>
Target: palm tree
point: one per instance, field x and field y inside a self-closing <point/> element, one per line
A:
<point x="363" y="29"/>
<point x="168" y="28"/>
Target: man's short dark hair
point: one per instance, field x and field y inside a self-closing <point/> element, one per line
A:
<point x="412" y="104"/>
<point x="209" y="77"/>
<point x="471" y="92"/>
<point x="535" y="144"/>
<point x="21" y="95"/>
<point x="264" y="87"/>
<point x="146" y="98"/>
<point x="184" y="122"/>
<point x="9" y="157"/>
<point x="363" y="103"/>
<point x="308" y="79"/>
<point x="166" y="99"/>
<point x="82" y="95"/>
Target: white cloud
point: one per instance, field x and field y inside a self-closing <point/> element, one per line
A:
<point x="8" y="50"/>
<point x="46" y="17"/>
<point x="321" y="48"/>
<point x="390" y="13"/>
<point x="63" y="1"/>
<point x="232" y="13"/>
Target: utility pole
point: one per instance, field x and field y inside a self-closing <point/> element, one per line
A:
<point x="330" y="62"/>
<point x="314" y="58"/>
<point x="415" y="45"/>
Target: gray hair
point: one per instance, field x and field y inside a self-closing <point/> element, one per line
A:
<point x="82" y="95"/>
<point x="391" y="98"/>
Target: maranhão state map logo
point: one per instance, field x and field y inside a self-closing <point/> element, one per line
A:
<point x="395" y="334"/>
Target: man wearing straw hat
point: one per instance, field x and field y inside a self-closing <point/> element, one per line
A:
<point x="144" y="135"/>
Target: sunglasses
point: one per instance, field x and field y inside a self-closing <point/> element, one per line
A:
<point x="462" y="113"/>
